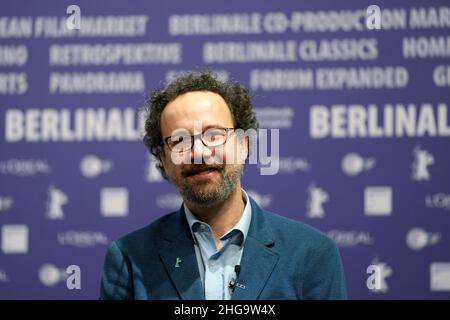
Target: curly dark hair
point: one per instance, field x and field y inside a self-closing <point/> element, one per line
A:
<point x="237" y="97"/>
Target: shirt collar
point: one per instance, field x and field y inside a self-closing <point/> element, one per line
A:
<point x="243" y="224"/>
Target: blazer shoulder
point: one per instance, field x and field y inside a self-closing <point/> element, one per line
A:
<point x="149" y="235"/>
<point x="294" y="231"/>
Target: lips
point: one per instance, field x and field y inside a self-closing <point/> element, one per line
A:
<point x="201" y="172"/>
<point x="202" y="169"/>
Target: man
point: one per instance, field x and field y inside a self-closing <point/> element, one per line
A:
<point x="220" y="244"/>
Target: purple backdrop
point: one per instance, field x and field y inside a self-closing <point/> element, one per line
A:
<point x="362" y="113"/>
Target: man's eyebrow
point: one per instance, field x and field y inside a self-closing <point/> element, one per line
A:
<point x="212" y="126"/>
<point x="205" y="128"/>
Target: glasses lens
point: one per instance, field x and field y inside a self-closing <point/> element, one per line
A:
<point x="214" y="137"/>
<point x="179" y="143"/>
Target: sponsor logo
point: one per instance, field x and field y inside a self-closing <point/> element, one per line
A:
<point x="317" y="197"/>
<point x="24" y="167"/>
<point x="82" y="239"/>
<point x="353" y="164"/>
<point x="440" y="276"/>
<point x="50" y="275"/>
<point x="417" y="238"/>
<point x="422" y="160"/>
<point x="291" y="165"/>
<point x="92" y="166"/>
<point x="56" y="200"/>
<point x="351" y="238"/>
<point x="378" y="201"/>
<point x="438" y="200"/>
<point x="15" y="238"/>
<point x="114" y="202"/>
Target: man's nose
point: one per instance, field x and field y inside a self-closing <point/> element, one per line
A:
<point x="200" y="152"/>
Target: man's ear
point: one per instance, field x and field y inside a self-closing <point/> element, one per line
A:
<point x="160" y="152"/>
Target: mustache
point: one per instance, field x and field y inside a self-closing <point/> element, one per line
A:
<point x="197" y="168"/>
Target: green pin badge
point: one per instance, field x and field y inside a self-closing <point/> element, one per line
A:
<point x="177" y="262"/>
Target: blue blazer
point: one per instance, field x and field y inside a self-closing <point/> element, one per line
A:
<point x="282" y="259"/>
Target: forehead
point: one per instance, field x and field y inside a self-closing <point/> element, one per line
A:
<point x="206" y="107"/>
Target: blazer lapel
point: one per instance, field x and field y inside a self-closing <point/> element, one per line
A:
<point x="180" y="260"/>
<point x="258" y="259"/>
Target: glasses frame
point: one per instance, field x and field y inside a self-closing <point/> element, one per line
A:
<point x="200" y="135"/>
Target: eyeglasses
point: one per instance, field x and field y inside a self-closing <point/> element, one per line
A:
<point x="183" y="142"/>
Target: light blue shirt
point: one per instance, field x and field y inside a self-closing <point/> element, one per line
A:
<point x="216" y="267"/>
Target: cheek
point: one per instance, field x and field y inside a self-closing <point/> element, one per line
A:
<point x="169" y="166"/>
<point x="235" y="151"/>
<point x="173" y="172"/>
<point x="174" y="160"/>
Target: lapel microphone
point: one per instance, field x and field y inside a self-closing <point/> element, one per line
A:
<point x="234" y="281"/>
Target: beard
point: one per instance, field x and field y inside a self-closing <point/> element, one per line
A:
<point x="211" y="191"/>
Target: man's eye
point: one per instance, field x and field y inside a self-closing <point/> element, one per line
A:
<point x="177" y="140"/>
<point x="214" y="135"/>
